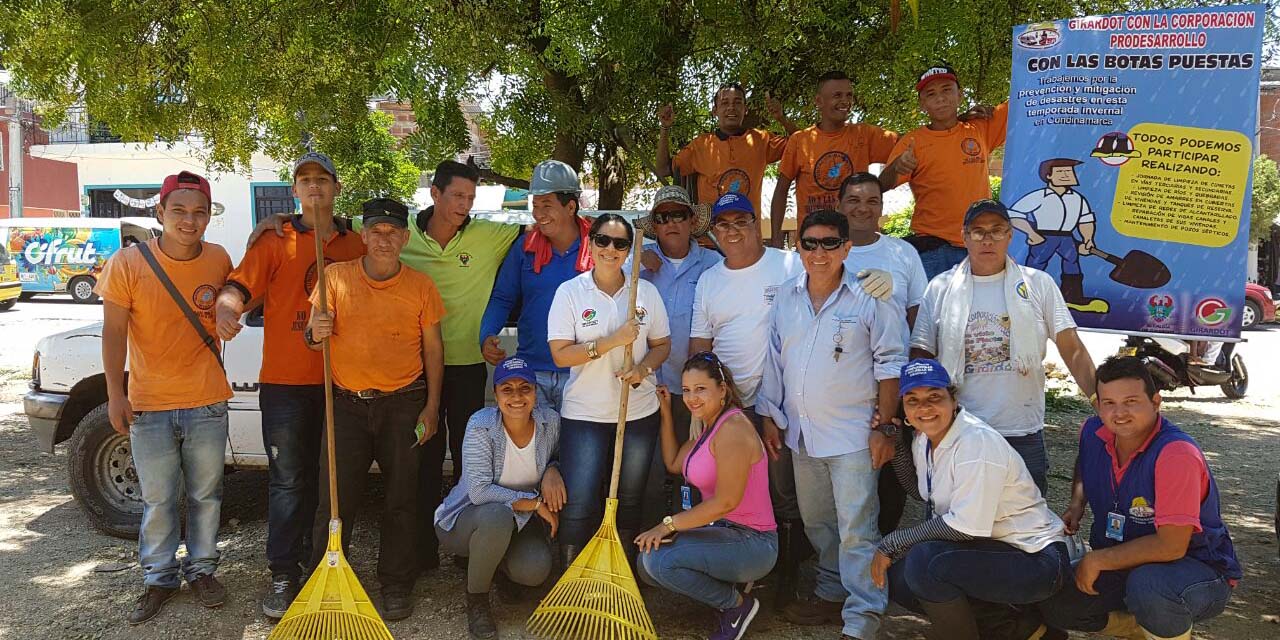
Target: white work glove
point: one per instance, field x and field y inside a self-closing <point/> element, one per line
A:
<point x="877" y="283"/>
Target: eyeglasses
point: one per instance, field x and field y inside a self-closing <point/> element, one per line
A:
<point x="829" y="243"/>
<point x="603" y="241"/>
<point x="724" y="226"/>
<point x="663" y="217"/>
<point x="995" y="235"/>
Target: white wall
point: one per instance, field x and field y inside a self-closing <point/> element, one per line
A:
<point x="104" y="165"/>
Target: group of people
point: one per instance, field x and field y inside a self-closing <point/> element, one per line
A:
<point x="783" y="404"/>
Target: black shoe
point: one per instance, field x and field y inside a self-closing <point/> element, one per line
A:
<point x="209" y="591"/>
<point x="568" y="553"/>
<point x="479" y="618"/>
<point x="813" y="612"/>
<point x="952" y="620"/>
<point x="397" y="605"/>
<point x="150" y="603"/>
<point x="284" y="588"/>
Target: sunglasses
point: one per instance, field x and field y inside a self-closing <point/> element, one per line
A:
<point x="603" y="241"/>
<point x="663" y="217"/>
<point x="829" y="243"/>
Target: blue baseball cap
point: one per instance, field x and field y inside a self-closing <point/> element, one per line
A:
<point x="732" y="202"/>
<point x="922" y="372"/>
<point x="985" y="206"/>
<point x="514" y="367"/>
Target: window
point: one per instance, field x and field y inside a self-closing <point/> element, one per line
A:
<point x="271" y="199"/>
<point x="118" y="203"/>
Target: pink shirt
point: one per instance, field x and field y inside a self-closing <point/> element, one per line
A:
<point x="756" y="508"/>
<point x="1182" y="478"/>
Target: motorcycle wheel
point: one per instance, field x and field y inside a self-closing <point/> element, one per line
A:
<point x="1236" y="387"/>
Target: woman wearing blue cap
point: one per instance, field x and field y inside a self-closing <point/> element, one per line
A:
<point x="988" y="534"/>
<point x="509" y="475"/>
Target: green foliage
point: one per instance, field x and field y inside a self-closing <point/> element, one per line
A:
<point x="1266" y="198"/>
<point x="369" y="163"/>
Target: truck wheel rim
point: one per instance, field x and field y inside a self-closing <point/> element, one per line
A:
<point x="118" y="477"/>
<point x="83" y="290"/>
<point x="1247" y="318"/>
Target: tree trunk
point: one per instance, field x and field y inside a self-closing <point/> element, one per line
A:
<point x="613" y="182"/>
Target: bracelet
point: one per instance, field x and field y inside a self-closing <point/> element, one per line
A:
<point x="591" y="350"/>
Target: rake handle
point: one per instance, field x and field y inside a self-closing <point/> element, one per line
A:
<point x="627" y="362"/>
<point x="331" y="452"/>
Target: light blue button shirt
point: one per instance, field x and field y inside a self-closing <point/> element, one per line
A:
<point x="677" y="284"/>
<point x="825" y="402"/>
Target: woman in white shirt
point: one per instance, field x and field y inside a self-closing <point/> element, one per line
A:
<point x="988" y="534"/>
<point x="587" y="328"/>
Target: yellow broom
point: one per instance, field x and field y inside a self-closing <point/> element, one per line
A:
<point x="332" y="605"/>
<point x="597" y="597"/>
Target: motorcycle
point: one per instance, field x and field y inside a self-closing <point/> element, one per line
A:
<point x="1168" y="362"/>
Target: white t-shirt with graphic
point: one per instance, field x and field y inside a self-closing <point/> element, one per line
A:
<point x="992" y="389"/>
<point x="731" y="307"/>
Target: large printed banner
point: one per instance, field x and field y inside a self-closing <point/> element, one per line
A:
<point x="1128" y="164"/>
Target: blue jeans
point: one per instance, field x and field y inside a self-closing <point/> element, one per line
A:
<point x="292" y="431"/>
<point x="550" y="388"/>
<point x="1062" y="245"/>
<point x="707" y="563"/>
<point x="937" y="260"/>
<point x="586" y="455"/>
<point x="1035" y="456"/>
<point x="986" y="570"/>
<point x="172" y="450"/>
<point x="840" y="509"/>
<point x="1165" y="598"/>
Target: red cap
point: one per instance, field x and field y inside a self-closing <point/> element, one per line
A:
<point x="937" y="72"/>
<point x="185" y="180"/>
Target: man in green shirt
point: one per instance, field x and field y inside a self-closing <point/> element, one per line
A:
<point x="462" y="255"/>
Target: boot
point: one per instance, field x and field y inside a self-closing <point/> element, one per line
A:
<point x="479" y="618"/>
<point x="1121" y="624"/>
<point x="1185" y="635"/>
<point x="568" y="553"/>
<point x="950" y="620"/>
<point x="1073" y="289"/>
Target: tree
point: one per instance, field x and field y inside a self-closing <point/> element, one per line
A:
<point x="1266" y="199"/>
<point x="369" y="163"/>
<point x="576" y="80"/>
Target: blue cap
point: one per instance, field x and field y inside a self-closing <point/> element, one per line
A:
<point x="732" y="201"/>
<point x="985" y="206"/>
<point x="922" y="372"/>
<point x="514" y="367"/>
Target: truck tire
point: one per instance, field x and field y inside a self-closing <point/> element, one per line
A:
<point x="81" y="289"/>
<point x="8" y="304"/>
<point x="1251" y="316"/>
<point x="102" y="477"/>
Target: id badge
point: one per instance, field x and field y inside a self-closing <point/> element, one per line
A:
<point x="686" y="499"/>
<point x="1115" y="526"/>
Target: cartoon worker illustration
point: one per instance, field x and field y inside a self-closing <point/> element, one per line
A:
<point x="1051" y="218"/>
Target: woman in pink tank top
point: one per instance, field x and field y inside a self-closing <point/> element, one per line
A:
<point x="730" y="536"/>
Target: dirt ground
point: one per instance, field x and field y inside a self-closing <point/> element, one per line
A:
<point x="61" y="579"/>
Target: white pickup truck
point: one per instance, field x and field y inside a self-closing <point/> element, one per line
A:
<point x="68" y="401"/>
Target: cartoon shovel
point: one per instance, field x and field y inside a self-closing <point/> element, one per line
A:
<point x="1137" y="269"/>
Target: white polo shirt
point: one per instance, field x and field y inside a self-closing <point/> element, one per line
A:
<point x="982" y="487"/>
<point x="581" y="312"/>
<point x="902" y="261"/>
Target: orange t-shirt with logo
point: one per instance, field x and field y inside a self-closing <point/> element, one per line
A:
<point x="377" y="326"/>
<point x="951" y="172"/>
<point x="283" y="271"/>
<point x="730" y="164"/>
<point x="818" y="161"/>
<point x="169" y="365"/>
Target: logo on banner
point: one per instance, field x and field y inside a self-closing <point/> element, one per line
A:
<point x="1159" y="307"/>
<point x="1042" y="35"/>
<point x="1212" y="312"/>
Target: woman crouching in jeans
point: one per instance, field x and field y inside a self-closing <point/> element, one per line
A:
<point x="730" y="536"/>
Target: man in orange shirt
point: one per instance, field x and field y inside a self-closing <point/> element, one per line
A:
<point x="281" y="271"/>
<point x="819" y="158"/>
<point x="383" y="324"/>
<point x="177" y="387"/>
<point x="946" y="163"/>
<point x="729" y="159"/>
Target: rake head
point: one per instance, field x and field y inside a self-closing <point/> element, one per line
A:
<point x="597" y="598"/>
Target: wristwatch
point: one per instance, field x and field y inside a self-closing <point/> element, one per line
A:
<point x="889" y="429"/>
<point x="669" y="523"/>
<point x="591" y="351"/>
<point x="306" y="335"/>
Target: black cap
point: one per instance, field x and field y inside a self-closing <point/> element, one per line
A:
<point x="386" y="210"/>
<point x="985" y="206"/>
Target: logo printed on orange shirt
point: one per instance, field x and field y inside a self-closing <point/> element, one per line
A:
<point x="830" y="169"/>
<point x="203" y="297"/>
<point x="970" y="147"/>
<point x="734" y="181"/>
<point x="309" y="281"/>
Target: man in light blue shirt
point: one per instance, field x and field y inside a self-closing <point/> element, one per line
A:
<point x="832" y="359"/>
<point x="679" y="260"/>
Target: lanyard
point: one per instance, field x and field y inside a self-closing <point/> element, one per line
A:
<point x="706" y="433"/>
<point x="928" y="479"/>
<point x="1111" y="477"/>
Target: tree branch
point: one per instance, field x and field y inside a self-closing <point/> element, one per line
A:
<point x="489" y="175"/>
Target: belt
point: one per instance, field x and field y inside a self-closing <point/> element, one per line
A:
<point x="373" y="394"/>
<point x="1044" y="232"/>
